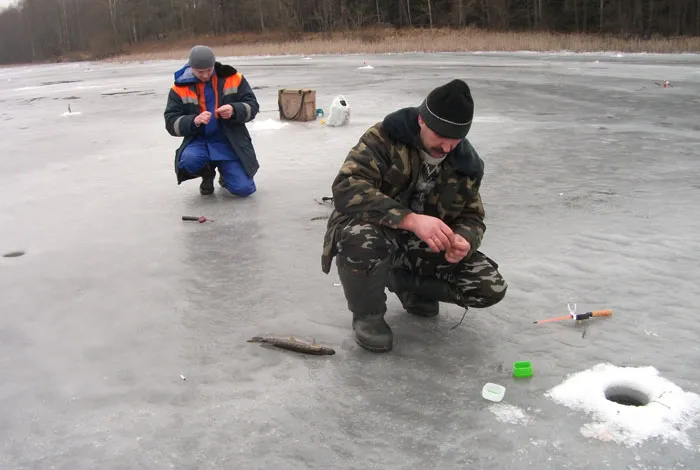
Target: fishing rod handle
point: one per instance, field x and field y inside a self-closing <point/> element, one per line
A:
<point x="601" y="313"/>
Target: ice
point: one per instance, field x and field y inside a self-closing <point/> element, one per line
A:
<point x="670" y="413"/>
<point x="591" y="194"/>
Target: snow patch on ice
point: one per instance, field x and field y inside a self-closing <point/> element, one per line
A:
<point x="69" y="113"/>
<point x="670" y="413"/>
<point x="366" y="67"/>
<point x="267" y="124"/>
<point x="506" y="413"/>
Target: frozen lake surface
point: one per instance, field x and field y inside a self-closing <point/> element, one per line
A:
<point x="592" y="195"/>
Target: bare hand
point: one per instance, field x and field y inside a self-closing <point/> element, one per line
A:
<point x="458" y="250"/>
<point x="225" y="111"/>
<point x="202" y="118"/>
<point x="433" y="231"/>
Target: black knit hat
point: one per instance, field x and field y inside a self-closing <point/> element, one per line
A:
<point x="448" y="110"/>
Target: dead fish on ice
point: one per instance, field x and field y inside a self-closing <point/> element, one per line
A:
<point x="293" y="344"/>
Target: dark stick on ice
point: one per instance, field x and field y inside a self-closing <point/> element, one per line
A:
<point x="194" y="218"/>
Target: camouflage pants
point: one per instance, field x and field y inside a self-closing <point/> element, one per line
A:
<point x="363" y="246"/>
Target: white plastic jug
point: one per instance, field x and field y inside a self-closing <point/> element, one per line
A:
<point x="339" y="114"/>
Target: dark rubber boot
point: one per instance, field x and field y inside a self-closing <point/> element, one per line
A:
<point x="207" y="186"/>
<point x="419" y="295"/>
<point x="367" y="302"/>
<point x="418" y="305"/>
<point x="412" y="302"/>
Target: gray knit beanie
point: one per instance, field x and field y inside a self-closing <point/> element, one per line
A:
<point x="201" y="57"/>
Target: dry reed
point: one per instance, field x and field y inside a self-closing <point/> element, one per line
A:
<point x="377" y="41"/>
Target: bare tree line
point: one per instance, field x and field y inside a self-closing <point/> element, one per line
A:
<point x="50" y="29"/>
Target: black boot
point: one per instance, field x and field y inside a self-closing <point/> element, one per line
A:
<point x="401" y="283"/>
<point x="367" y="302"/>
<point x="418" y="305"/>
<point x="208" y="174"/>
<point x="421" y="295"/>
<point x="207" y="186"/>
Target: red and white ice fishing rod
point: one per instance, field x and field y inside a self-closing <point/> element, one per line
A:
<point x="578" y="316"/>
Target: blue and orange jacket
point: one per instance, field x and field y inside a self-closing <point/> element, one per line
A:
<point x="187" y="99"/>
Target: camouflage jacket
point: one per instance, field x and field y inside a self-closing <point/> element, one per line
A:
<point x="376" y="182"/>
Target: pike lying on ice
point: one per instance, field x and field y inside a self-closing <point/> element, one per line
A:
<point x="293" y="344"/>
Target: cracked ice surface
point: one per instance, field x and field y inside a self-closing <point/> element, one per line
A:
<point x="591" y="193"/>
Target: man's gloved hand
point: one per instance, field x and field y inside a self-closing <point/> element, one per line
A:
<point x="225" y="111"/>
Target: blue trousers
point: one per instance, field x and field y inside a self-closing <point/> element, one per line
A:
<point x="196" y="155"/>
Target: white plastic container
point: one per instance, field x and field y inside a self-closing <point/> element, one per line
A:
<point x="493" y="392"/>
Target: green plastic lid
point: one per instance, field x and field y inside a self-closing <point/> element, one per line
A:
<point x="522" y="369"/>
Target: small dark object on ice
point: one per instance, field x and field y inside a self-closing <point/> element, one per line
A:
<point x="194" y="218"/>
<point x="13" y="254"/>
<point x="325" y="201"/>
<point x="293" y="344"/>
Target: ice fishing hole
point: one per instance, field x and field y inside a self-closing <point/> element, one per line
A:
<point x="628" y="396"/>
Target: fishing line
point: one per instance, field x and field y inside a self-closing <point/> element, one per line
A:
<point x="460" y="322"/>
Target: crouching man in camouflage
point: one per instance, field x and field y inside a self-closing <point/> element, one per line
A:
<point x="408" y="216"/>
